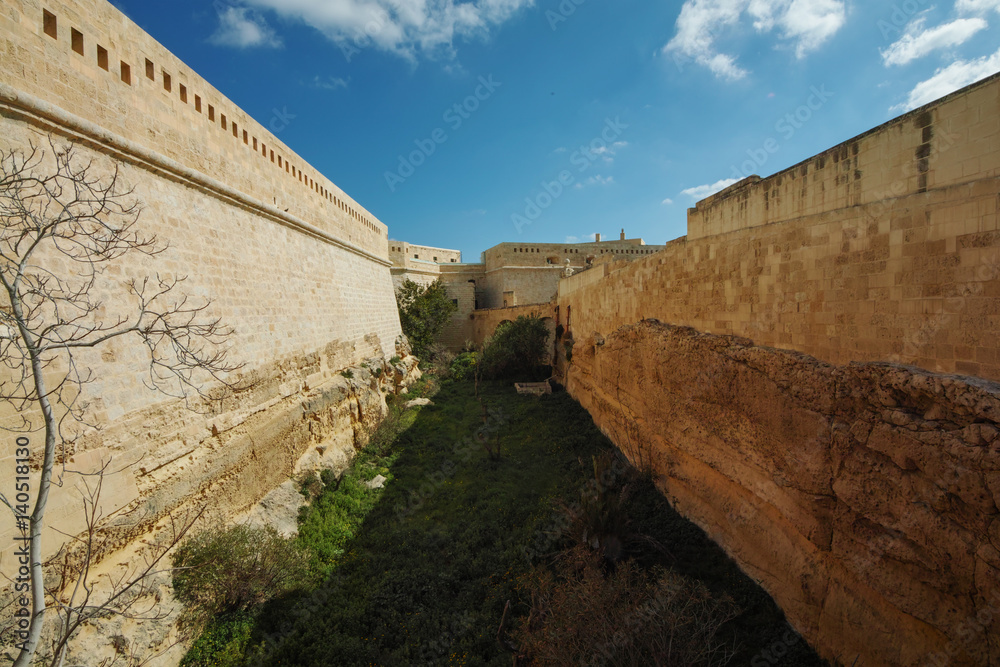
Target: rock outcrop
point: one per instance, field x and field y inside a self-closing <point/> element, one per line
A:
<point x="864" y="497"/>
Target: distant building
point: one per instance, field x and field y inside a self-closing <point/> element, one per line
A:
<point x="419" y="263"/>
<point x="509" y="274"/>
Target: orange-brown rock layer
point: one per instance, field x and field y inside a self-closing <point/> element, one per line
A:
<point x="862" y="497"/>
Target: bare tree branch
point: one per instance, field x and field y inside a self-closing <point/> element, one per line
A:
<point x="63" y="221"/>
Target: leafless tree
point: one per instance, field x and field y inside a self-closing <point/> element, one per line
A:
<point x="63" y="221"/>
<point x="78" y="597"/>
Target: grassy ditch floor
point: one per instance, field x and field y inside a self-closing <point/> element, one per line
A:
<point x="420" y="572"/>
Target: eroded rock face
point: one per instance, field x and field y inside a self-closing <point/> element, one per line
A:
<point x="863" y="497"/>
<point x="240" y="474"/>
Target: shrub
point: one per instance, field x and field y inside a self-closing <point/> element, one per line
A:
<point x="599" y="519"/>
<point x="423" y="312"/>
<point x="236" y="569"/>
<point x="349" y="374"/>
<point x="395" y="360"/>
<point x="463" y="367"/>
<point x="440" y="360"/>
<point x="310" y="485"/>
<point x="579" y="616"/>
<point x="515" y="350"/>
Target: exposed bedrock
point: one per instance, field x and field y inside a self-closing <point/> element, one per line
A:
<point x="862" y="497"/>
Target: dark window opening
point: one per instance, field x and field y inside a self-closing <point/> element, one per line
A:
<point x="49" y="24"/>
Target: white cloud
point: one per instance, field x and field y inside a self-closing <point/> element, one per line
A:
<point x="806" y="24"/>
<point x="243" y="28"/>
<point x="405" y="27"/>
<point x="608" y="152"/>
<point x="949" y="79"/>
<point x="977" y="6"/>
<point x="329" y="83"/>
<point x="597" y="179"/>
<point x="667" y="202"/>
<point x="587" y="238"/>
<point x="918" y="42"/>
<point x="702" y="191"/>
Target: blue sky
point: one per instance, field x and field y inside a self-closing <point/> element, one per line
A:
<point x="465" y="123"/>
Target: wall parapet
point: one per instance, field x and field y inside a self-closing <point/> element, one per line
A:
<point x="118" y="76"/>
<point x="950" y="141"/>
<point x="80" y="130"/>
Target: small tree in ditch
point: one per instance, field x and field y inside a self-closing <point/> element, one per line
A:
<point x="62" y="222"/>
<point x="423" y="312"/>
<point x="516" y="349"/>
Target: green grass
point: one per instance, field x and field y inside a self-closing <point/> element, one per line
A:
<point x="418" y="573"/>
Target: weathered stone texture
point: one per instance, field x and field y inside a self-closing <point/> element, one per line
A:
<point x="863" y="497"/>
<point x="294" y="266"/>
<point x="861" y="493"/>
<point x="205" y="132"/>
<point x="894" y="273"/>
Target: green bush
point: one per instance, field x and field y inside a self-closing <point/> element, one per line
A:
<point x="349" y="374"/>
<point x="423" y="312"/>
<point x="236" y="569"/>
<point x="463" y="367"/>
<point x="515" y="350"/>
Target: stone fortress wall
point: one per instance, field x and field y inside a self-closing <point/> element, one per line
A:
<point x="419" y="263"/>
<point x="510" y="274"/>
<point x="295" y="266"/>
<point x="754" y="357"/>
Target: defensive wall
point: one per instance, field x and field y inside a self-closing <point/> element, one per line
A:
<point x="419" y="263"/>
<point x="485" y="321"/>
<point x="295" y="266"/>
<point x="813" y="372"/>
<point x="524" y="273"/>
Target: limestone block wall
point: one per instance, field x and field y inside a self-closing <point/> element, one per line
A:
<point x="462" y="282"/>
<point x="863" y="497"/>
<point x="520" y="285"/>
<point x="86" y="57"/>
<point x="293" y="265"/>
<point x="912" y="277"/>
<point x="485" y="321"/>
<point x="302" y="309"/>
<point x="949" y="142"/>
<point x="544" y="254"/>
<point x="863" y="494"/>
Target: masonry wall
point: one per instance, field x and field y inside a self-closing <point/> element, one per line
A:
<point x="307" y="290"/>
<point x="462" y="283"/>
<point x="191" y="123"/>
<point x="864" y="496"/>
<point x="914" y="277"/>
